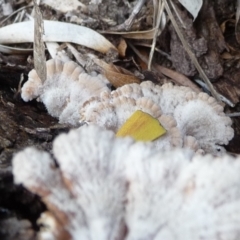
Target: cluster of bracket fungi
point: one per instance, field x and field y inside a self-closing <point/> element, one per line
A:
<point x="181" y="186"/>
<point x="192" y="120"/>
<point x="116" y="188"/>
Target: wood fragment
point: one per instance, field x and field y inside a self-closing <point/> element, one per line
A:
<point x="38" y="46"/>
<point x="160" y="8"/>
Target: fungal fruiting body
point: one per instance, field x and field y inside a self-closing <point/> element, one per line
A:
<point x="191" y="120"/>
<point x="64" y="91"/>
<point x="90" y="208"/>
<point x="194" y="120"/>
<point x="190" y="197"/>
<point x="112" y="113"/>
<point x="112" y="188"/>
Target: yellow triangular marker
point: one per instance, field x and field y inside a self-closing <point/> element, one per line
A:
<point x="142" y="127"/>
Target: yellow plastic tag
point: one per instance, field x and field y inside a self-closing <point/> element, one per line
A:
<point x="142" y="127"/>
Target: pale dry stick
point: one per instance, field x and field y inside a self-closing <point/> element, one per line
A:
<point x="160" y="8"/>
<point x="178" y="78"/>
<point x="20" y="9"/>
<point x="155" y="12"/>
<point x="166" y="55"/>
<point x="134" y="13"/>
<point x="128" y="23"/>
<point x="236" y="114"/>
<point x="22" y="15"/>
<point x="79" y="57"/>
<point x="19" y="17"/>
<point x="238" y="11"/>
<point x="177" y="14"/>
<point x="38" y="45"/>
<point x="223" y="99"/>
<point x="190" y="53"/>
<point x="237" y="21"/>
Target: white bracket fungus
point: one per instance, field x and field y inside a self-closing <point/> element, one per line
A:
<point x="192" y="120"/>
<point x="110" y="188"/>
<point x="111" y="111"/>
<point x="65" y="90"/>
<point x="194" y="116"/>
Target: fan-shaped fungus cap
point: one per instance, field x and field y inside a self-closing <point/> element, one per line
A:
<point x="85" y="195"/>
<point x="32" y="88"/>
<point x="170" y="96"/>
<point x="66" y="88"/>
<point x="198" y="116"/>
<point x="202" y="117"/>
<point x="167" y="96"/>
<point x="37" y="171"/>
<point x="105" y="183"/>
<point x="189" y="198"/>
<point x="112" y="111"/>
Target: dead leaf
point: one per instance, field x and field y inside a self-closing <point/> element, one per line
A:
<point x="178" y="78"/>
<point x="116" y="75"/>
<point x="193" y="6"/>
<point x="148" y="34"/>
<point x="122" y="46"/>
<point x="56" y="32"/>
